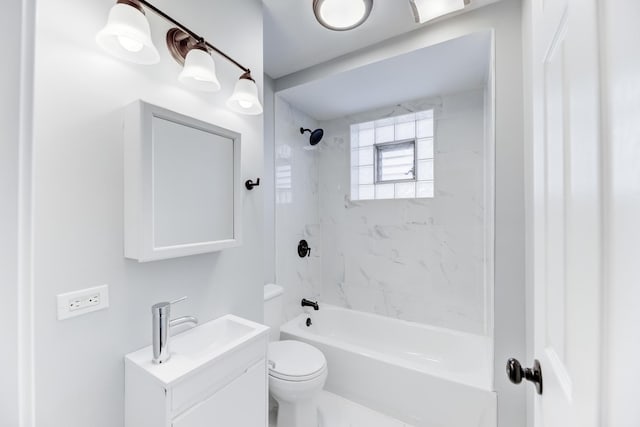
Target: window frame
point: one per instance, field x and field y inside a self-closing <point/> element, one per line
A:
<point x="363" y="157"/>
<point x="376" y="161"/>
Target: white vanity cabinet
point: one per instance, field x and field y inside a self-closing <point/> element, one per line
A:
<point x="241" y="403"/>
<point x="203" y="384"/>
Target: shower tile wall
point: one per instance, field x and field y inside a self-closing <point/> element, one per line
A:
<point x="418" y="259"/>
<point x="296" y="198"/>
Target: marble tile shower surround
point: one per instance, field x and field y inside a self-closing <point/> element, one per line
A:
<point x="417" y="259"/>
<point x="420" y="260"/>
<point x="297" y="213"/>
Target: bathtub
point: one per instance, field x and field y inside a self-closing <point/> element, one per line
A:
<point x="422" y="375"/>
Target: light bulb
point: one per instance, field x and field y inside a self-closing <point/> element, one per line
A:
<point x="245" y="104"/>
<point x="130" y="44"/>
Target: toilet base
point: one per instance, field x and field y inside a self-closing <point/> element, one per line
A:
<point x="301" y="414"/>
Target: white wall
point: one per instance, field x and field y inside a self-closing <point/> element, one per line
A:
<point x="420" y="260"/>
<point x="297" y="213"/>
<point x="10" y="24"/>
<point x="78" y="201"/>
<point x="509" y="316"/>
<point x="621" y="156"/>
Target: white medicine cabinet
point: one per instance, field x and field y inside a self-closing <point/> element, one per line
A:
<point x="182" y="185"/>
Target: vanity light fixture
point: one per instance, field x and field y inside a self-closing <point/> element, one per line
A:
<point x="342" y="15"/>
<point x="199" y="70"/>
<point x="127" y="36"/>
<point x="245" y="96"/>
<point x="427" y="10"/>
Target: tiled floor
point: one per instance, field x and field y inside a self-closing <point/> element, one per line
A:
<point x="336" y="411"/>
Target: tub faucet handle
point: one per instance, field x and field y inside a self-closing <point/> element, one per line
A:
<point x="303" y="249"/>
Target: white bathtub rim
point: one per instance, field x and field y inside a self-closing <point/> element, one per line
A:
<point x="395" y="320"/>
<point x="293" y="329"/>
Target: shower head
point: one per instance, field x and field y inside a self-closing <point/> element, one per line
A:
<point x="315" y="137"/>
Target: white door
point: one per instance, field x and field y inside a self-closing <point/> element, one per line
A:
<point x="566" y="210"/>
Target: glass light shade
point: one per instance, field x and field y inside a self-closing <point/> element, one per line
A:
<point x="127" y="36"/>
<point x="341" y="15"/>
<point x="199" y="71"/>
<point x="426" y="10"/>
<point x="245" y="98"/>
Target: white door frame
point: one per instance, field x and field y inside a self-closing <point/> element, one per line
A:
<point x="16" y="362"/>
<point x="621" y="188"/>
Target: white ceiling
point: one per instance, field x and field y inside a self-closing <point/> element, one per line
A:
<point x="294" y="40"/>
<point x="453" y="66"/>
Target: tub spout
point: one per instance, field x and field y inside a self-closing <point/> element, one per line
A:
<point x="307" y="303"/>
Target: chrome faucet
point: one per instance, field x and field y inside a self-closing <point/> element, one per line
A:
<point x="161" y="313"/>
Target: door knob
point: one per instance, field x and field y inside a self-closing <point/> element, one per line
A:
<point x="516" y="373"/>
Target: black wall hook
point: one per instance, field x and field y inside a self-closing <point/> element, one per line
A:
<point x="250" y="184"/>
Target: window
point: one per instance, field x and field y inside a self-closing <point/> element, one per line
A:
<point x="395" y="161"/>
<point x="392" y="158"/>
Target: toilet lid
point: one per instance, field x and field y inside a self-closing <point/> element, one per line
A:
<point x="295" y="360"/>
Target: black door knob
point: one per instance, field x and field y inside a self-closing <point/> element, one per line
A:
<point x="516" y="373"/>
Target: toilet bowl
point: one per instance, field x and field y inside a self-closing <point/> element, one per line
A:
<point x="297" y="373"/>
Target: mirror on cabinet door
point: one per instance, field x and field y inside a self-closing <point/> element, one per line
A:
<point x="182" y="185"/>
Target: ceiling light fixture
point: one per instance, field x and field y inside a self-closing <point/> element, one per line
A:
<point x="342" y="15"/>
<point x="127" y="36"/>
<point x="427" y="10"/>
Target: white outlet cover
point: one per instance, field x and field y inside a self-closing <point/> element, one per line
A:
<point x="65" y="301"/>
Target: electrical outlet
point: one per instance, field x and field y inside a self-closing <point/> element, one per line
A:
<point x="81" y="302"/>
<point x="85" y="301"/>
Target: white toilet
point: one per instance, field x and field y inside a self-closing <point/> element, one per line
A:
<point x="297" y="371"/>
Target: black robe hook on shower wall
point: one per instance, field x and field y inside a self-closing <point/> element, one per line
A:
<point x="250" y="184"/>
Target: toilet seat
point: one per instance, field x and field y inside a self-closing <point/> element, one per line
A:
<point x="295" y="361"/>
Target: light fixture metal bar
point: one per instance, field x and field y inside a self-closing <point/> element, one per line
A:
<point x="193" y="34"/>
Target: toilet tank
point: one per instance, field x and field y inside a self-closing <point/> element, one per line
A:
<point x="273" y="310"/>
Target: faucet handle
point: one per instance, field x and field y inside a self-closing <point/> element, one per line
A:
<point x="176" y="301"/>
<point x="163" y="308"/>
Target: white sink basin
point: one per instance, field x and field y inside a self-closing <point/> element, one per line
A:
<point x="208" y="338"/>
<point x="200" y="346"/>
